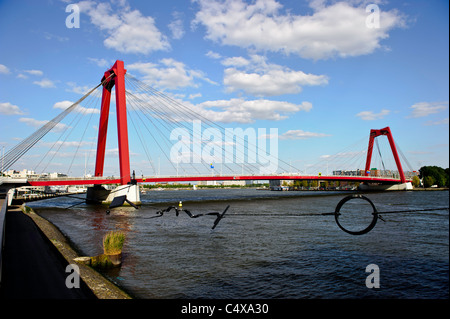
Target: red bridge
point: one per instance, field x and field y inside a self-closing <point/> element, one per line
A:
<point x="193" y="178"/>
<point x="115" y="77"/>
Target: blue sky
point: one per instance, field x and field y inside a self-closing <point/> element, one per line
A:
<point x="313" y="69"/>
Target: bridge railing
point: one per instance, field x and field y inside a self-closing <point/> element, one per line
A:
<point x="281" y="176"/>
<point x="70" y="178"/>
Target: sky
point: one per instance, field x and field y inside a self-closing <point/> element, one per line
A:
<point x="323" y="73"/>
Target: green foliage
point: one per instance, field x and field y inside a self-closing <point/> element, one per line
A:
<point x="439" y="176"/>
<point x="113" y="242"/>
<point x="101" y="261"/>
<point x="27" y="209"/>
<point x="428" y="181"/>
<point x="416" y="181"/>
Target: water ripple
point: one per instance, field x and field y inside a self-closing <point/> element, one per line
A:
<point x="266" y="257"/>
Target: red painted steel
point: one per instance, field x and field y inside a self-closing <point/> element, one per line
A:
<point x="103" y="126"/>
<point x="122" y="128"/>
<point x="384" y="131"/>
<point x="117" y="80"/>
<point x="213" y="178"/>
<point x="74" y="182"/>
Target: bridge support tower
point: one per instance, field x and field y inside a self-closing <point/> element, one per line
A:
<point x="404" y="185"/>
<point x="114" y="77"/>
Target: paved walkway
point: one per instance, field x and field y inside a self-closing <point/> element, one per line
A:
<point x="32" y="266"/>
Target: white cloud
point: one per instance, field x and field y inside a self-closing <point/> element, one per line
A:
<point x="63" y="105"/>
<point x="10" y="109"/>
<point x="38" y="123"/>
<point x="193" y="96"/>
<point x="237" y="110"/>
<point x="247" y="111"/>
<point x="86" y="110"/>
<point x="32" y="122"/>
<point x="338" y="29"/>
<point x="103" y="63"/>
<point x="439" y="122"/>
<point x="176" y="26"/>
<point x="370" y="115"/>
<point x="213" y="55"/>
<point x="262" y="79"/>
<point x="426" y="108"/>
<point x="34" y="72"/>
<point x="77" y="88"/>
<point x="128" y="30"/>
<point x="30" y="72"/>
<point x="4" y="69"/>
<point x="236" y="61"/>
<point x="45" y="83"/>
<point x="168" y="74"/>
<point x="300" y="135"/>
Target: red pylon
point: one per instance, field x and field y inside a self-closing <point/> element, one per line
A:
<point x="118" y="80"/>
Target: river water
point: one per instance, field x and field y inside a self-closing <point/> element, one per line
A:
<point x="268" y="245"/>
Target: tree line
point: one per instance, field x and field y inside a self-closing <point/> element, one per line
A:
<point x="433" y="175"/>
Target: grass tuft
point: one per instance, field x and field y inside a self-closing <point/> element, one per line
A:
<point x="113" y="242"/>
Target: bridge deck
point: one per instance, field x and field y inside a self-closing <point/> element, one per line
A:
<point x="162" y="179"/>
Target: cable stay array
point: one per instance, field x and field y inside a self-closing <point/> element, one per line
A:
<point x="168" y="137"/>
<point x="56" y="125"/>
<point x="158" y="117"/>
<point x="352" y="159"/>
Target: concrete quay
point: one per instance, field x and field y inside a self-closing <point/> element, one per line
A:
<point x="34" y="260"/>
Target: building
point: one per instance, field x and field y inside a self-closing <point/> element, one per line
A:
<point x="22" y="174"/>
<point x="358" y="172"/>
<point x="207" y="183"/>
<point x="236" y="183"/>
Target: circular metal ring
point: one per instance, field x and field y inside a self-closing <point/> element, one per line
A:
<point x="346" y="199"/>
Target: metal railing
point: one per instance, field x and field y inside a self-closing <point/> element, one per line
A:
<point x="281" y="175"/>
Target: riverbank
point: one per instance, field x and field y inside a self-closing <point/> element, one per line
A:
<point x="97" y="283"/>
<point x="431" y="189"/>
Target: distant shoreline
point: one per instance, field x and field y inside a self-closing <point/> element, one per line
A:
<point x="267" y="189"/>
<point x="431" y="189"/>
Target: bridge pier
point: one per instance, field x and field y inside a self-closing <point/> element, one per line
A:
<point x="100" y="195"/>
<point x="396" y="187"/>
